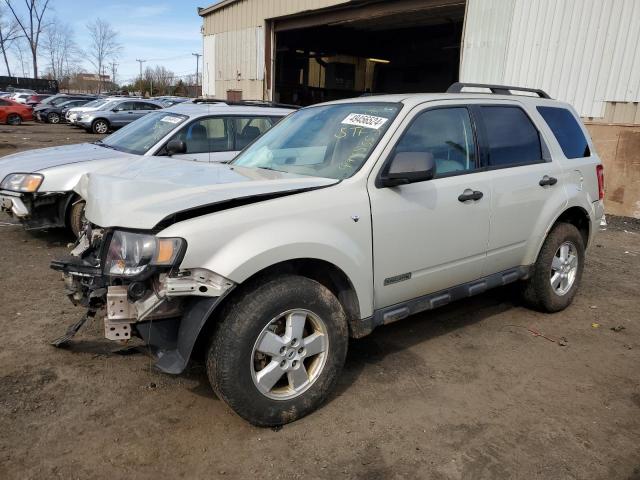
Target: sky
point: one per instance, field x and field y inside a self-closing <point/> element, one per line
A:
<point x="161" y="32"/>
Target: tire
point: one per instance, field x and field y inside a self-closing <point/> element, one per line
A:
<point x="53" y="117"/>
<point x="100" y="126"/>
<point x="538" y="291"/>
<point x="76" y="217"/>
<point x="14" y="119"/>
<point x="234" y="365"/>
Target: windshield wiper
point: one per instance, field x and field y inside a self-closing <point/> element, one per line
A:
<point x="272" y="169"/>
<point x="100" y="143"/>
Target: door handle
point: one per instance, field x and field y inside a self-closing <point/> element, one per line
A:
<point x="469" y="194"/>
<point x="547" y="180"/>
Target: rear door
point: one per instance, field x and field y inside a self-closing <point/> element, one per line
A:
<point x="527" y="186"/>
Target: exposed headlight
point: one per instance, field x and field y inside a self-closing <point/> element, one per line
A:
<point x="130" y="253"/>
<point x="22" y="182"/>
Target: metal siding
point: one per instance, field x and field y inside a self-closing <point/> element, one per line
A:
<point x="584" y="52"/>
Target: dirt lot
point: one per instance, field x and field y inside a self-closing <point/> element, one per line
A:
<point x="40" y="135"/>
<point x="463" y="392"/>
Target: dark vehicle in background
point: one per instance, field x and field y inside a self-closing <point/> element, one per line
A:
<point x="59" y="99"/>
<point x="169" y="101"/>
<point x="56" y="113"/>
<point x="35" y="100"/>
<point x="35" y="85"/>
<point x="14" y="113"/>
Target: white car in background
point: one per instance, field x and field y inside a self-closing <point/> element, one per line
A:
<point x="37" y="186"/>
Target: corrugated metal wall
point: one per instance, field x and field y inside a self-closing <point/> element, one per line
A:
<point x="585" y="52"/>
<point x="252" y="13"/>
<point x="235" y="59"/>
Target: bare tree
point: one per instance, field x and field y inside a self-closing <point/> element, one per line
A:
<point x="31" y="27"/>
<point x="9" y="32"/>
<point x="103" y="44"/>
<point x="61" y="49"/>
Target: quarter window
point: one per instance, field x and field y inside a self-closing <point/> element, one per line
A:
<point x="446" y="134"/>
<point x="567" y="131"/>
<point x="248" y="129"/>
<point x="513" y="139"/>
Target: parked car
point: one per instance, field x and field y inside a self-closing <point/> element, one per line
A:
<point x="116" y="114"/>
<point x="20" y="97"/>
<point x="37" y="185"/>
<point x="344" y="217"/>
<point x="35" y="100"/>
<point x="74" y="113"/>
<point x="56" y="113"/>
<point x="14" y="113"/>
<point x="169" y="101"/>
<point x="59" y="99"/>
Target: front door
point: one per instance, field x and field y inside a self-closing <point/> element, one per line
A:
<point x="431" y="235"/>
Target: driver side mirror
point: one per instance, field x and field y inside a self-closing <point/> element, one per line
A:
<point x="176" y="146"/>
<point x="409" y="167"/>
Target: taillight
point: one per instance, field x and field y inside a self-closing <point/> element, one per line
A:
<point x="600" y="174"/>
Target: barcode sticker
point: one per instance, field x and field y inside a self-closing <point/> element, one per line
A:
<point x="362" y="120"/>
<point x="171" y="119"/>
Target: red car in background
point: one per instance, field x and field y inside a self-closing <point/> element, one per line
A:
<point x="14" y="113"/>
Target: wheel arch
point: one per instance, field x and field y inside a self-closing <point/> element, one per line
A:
<point x="322" y="271"/>
<point x="575" y="215"/>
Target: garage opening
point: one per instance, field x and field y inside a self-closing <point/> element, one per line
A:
<point x="374" y="49"/>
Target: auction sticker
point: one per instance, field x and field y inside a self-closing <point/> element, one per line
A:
<point x="362" y="120"/>
<point x="170" y="119"/>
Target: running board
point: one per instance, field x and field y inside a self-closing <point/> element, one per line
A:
<point x="399" y="311"/>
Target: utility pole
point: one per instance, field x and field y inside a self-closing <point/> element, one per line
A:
<point x="197" y="55"/>
<point x="140" y="62"/>
<point x="113" y="72"/>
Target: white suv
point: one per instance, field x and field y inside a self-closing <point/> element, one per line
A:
<point x="344" y="217"/>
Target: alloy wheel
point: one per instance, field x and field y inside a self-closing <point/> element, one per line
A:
<point x="564" y="268"/>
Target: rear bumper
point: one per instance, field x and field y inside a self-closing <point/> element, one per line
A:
<point x="597" y="217"/>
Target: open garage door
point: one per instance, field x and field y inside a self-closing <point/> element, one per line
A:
<point x="367" y="48"/>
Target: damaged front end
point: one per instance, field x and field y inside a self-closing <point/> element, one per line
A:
<point x="134" y="279"/>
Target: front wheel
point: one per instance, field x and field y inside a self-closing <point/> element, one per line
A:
<point x="100" y="127"/>
<point x="278" y="350"/>
<point x="14" y="119"/>
<point x="557" y="271"/>
<point x="76" y="217"/>
<point x="53" y="118"/>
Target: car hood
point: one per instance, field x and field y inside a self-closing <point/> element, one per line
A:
<point x="156" y="191"/>
<point x="43" y="158"/>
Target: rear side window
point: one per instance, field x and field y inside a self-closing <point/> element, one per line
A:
<point x="567" y="131"/>
<point x="512" y="137"/>
<point x="247" y="129"/>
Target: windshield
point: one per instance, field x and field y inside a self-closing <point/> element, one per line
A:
<point x="47" y="100"/>
<point x="331" y="141"/>
<point x="96" y="103"/>
<point x="139" y="136"/>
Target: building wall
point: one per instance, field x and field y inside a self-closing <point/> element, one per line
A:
<point x="584" y="52"/>
<point x="234" y="44"/>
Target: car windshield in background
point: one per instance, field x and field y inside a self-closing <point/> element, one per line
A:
<point x="97" y="103"/>
<point x="331" y="141"/>
<point x="139" y="136"/>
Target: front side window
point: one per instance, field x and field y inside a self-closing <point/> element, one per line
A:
<point x="512" y="137"/>
<point x="446" y="134"/>
<point x="567" y="131"/>
<point x="206" y="135"/>
<point x="330" y="141"/>
<point x="140" y="136"/>
<point x="247" y="129"/>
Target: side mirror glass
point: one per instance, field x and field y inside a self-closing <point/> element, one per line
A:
<point x="409" y="167"/>
<point x="176" y="146"/>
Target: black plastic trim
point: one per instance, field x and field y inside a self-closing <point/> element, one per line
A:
<point x="495" y="89"/>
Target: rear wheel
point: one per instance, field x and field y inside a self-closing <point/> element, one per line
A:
<point x="53" y="117"/>
<point x="557" y="271"/>
<point x="14" y="119"/>
<point x="100" y="126"/>
<point x="76" y="217"/>
<point x="278" y="350"/>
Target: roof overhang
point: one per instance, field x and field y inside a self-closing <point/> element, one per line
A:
<point x="202" y="11"/>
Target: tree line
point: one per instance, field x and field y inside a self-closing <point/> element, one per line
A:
<point x="29" y="29"/>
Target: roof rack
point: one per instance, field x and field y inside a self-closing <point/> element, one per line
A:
<point x="247" y="103"/>
<point x="496" y="89"/>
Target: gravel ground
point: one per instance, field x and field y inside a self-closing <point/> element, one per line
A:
<point x="467" y="391"/>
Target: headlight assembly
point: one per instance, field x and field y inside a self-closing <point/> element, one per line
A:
<point x="130" y="254"/>
<point x="22" y="182"/>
